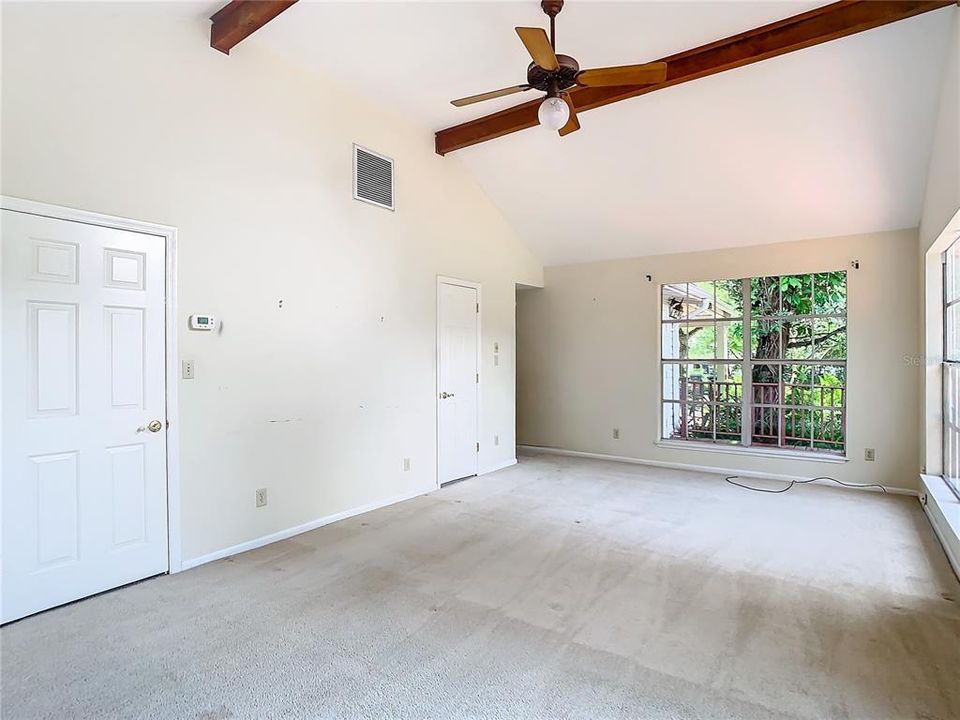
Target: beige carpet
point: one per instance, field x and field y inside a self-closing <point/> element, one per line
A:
<point x="555" y="589"/>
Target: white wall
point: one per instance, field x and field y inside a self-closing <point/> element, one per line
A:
<point x="589" y="350"/>
<point x="941" y="202"/>
<point x="123" y="108"/>
<point x="942" y="195"/>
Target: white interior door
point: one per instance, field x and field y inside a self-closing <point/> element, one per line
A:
<point x="84" y="488"/>
<point x="457" y="381"/>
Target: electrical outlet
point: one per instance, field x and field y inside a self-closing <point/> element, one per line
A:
<point x="616" y="433"/>
<point x="869" y="454"/>
<point x="186" y="367"/>
<point x="406" y="464"/>
<point x="496" y="439"/>
<point x="261" y="497"/>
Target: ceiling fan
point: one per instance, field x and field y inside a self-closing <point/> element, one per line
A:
<point x="553" y="73"/>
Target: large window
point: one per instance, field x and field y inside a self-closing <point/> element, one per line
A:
<point x="756" y="362"/>
<point x="951" y="367"/>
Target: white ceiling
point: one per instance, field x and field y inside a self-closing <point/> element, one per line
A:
<point x="826" y="141"/>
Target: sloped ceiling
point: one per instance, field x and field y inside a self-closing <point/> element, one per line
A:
<point x="826" y="141"/>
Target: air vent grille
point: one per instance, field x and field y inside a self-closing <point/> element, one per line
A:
<point x="372" y="177"/>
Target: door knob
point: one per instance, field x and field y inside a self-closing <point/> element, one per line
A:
<point x="152" y="426"/>
<point x="445" y="395"/>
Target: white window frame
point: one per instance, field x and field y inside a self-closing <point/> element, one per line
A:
<point x="747" y="363"/>
<point x="950" y="389"/>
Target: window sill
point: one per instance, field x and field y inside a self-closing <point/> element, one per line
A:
<point x="943" y="509"/>
<point x="755" y="452"/>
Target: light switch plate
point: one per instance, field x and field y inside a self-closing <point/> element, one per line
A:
<point x="186" y="367"/>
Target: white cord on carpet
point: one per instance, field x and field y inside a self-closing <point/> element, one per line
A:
<point x="732" y="480"/>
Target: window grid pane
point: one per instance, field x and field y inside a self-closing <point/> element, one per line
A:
<point x="796" y="323"/>
<point x="952" y="278"/>
<point x="951" y="368"/>
<point x="951" y="425"/>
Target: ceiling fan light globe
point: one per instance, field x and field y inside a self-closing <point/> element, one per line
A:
<point x="553" y="113"/>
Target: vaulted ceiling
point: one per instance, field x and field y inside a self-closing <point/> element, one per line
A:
<point x="829" y="140"/>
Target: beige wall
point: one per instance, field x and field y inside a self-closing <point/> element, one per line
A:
<point x="942" y="194"/>
<point x="123" y="108"/>
<point x="941" y="202"/>
<point x="589" y="348"/>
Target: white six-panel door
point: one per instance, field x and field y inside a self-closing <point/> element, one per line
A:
<point x="84" y="428"/>
<point x="457" y="381"/>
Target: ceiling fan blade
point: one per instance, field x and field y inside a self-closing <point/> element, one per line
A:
<point x="648" y="74"/>
<point x="539" y="47"/>
<point x="489" y="95"/>
<point x="572" y="124"/>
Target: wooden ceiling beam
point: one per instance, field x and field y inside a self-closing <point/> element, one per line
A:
<point x="239" y="19"/>
<point x="830" y="22"/>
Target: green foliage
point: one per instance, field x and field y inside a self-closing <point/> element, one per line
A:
<point x="830" y="293"/>
<point x="700" y="343"/>
<point x="793" y="295"/>
<point x="730" y="294"/>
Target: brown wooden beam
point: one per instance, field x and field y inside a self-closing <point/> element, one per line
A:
<point x="239" y="19"/>
<point x="820" y="25"/>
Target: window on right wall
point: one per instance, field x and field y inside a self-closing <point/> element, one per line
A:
<point x="951" y="367"/>
<point x="757" y="362"/>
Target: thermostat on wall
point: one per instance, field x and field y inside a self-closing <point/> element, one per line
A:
<point x="202" y="322"/>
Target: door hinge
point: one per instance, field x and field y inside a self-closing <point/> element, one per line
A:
<point x="478" y="307"/>
<point x="478" y="378"/>
<point x="478" y="447"/>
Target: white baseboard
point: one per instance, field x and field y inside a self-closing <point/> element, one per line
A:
<point x="697" y="468"/>
<point x="501" y="466"/>
<point x="319" y="522"/>
<point x="297" y="530"/>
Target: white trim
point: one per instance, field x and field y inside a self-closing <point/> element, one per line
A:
<point x="699" y="468"/>
<point x="169" y="234"/>
<point x="300" y="529"/>
<point x="446" y="280"/>
<point x="936" y="494"/>
<point x="750" y="450"/>
<point x="500" y="466"/>
<point x="59" y="212"/>
<point x="174" y="539"/>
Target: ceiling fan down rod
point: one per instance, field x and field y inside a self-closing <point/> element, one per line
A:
<point x="552" y="8"/>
